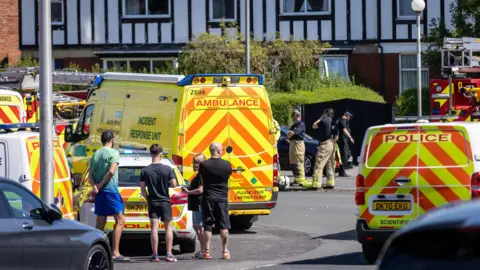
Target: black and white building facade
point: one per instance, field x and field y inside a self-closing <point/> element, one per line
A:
<point x="149" y="34"/>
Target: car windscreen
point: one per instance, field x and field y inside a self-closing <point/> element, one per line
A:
<point x="434" y="249"/>
<point x="130" y="176"/>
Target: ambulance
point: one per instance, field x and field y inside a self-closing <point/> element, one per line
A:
<point x="11" y="107"/>
<point x="20" y="161"/>
<point x="185" y="114"/>
<point x="409" y="169"/>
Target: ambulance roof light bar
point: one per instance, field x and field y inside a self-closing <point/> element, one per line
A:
<point x="419" y="119"/>
<point x="20" y="126"/>
<point x="161" y="78"/>
<point x="188" y="80"/>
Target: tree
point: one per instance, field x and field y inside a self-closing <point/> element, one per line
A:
<point x="283" y="63"/>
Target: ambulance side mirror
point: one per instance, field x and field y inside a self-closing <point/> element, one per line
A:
<point x="70" y="136"/>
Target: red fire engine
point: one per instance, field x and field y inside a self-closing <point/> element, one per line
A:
<point x="457" y="92"/>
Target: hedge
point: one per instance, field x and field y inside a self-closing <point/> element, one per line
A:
<point x="283" y="103"/>
<point x="406" y="104"/>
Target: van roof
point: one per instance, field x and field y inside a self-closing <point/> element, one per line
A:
<point x="10" y="92"/>
<point x="19" y="134"/>
<point x="123" y="76"/>
<point x="427" y="124"/>
<point x="141" y="161"/>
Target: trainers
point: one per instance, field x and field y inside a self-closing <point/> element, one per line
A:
<point x="170" y="258"/>
<point x="206" y="255"/>
<point x="155" y="258"/>
<point x="226" y="255"/>
<point x="198" y="255"/>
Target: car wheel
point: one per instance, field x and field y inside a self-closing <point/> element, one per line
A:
<point x="308" y="165"/>
<point x="188" y="245"/>
<point x="97" y="259"/>
<point x="371" y="252"/>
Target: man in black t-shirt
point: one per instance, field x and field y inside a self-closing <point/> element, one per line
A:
<point x="344" y="138"/>
<point x="215" y="173"/>
<point x="157" y="178"/>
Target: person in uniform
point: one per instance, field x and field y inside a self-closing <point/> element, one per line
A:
<point x="326" y="150"/>
<point x="296" y="151"/>
<point x="343" y="143"/>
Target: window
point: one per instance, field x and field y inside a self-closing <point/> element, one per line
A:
<point x="404" y="10"/>
<point x="408" y="72"/>
<point x="141" y="65"/>
<point x="57" y="12"/>
<point x="223" y="10"/>
<point x="22" y="203"/>
<point x="305" y="7"/>
<point x="85" y="121"/>
<point x="335" y="65"/>
<point x="150" y="8"/>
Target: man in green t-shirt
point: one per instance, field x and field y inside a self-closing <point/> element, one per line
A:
<point x="103" y="177"/>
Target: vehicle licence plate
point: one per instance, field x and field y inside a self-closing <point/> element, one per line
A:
<point x="392" y="205"/>
<point x="137" y="207"/>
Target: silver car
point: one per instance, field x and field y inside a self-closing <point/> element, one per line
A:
<point x="34" y="235"/>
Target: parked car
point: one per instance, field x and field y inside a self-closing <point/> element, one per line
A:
<point x="445" y="238"/>
<point x="137" y="223"/>
<point x="310" y="151"/>
<point x="34" y="235"/>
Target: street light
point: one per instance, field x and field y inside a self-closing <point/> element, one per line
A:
<point x="418" y="6"/>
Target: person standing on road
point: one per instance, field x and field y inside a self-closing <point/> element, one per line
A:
<point x="344" y="138"/>
<point x="326" y="150"/>
<point x="296" y="152"/>
<point x="194" y="204"/>
<point x="103" y="176"/>
<point x="215" y="173"/>
<point x="157" y="178"/>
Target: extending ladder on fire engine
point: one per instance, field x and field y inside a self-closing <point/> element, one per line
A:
<point x="28" y="78"/>
<point x="461" y="55"/>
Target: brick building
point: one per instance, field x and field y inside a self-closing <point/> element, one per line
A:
<point x="9" y="32"/>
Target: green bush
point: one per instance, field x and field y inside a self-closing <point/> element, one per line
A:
<point x="406" y="104"/>
<point x="284" y="103"/>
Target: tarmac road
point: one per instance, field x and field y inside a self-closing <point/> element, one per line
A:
<point x="306" y="230"/>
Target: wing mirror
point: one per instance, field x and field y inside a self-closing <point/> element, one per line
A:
<point x="54" y="213"/>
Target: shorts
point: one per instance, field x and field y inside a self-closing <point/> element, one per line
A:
<point x="215" y="213"/>
<point x="197" y="218"/>
<point x="108" y="204"/>
<point x="160" y="210"/>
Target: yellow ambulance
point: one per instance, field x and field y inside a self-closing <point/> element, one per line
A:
<point x="11" y="107"/>
<point x="409" y="169"/>
<point x="185" y="114"/>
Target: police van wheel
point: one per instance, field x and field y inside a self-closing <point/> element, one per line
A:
<point x="188" y="245"/>
<point x="371" y="252"/>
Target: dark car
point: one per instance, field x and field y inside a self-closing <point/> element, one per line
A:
<point x="445" y="238"/>
<point x="35" y="236"/>
<point x="311" y="146"/>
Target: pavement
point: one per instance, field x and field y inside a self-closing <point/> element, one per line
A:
<point x="342" y="184"/>
<point x="306" y="230"/>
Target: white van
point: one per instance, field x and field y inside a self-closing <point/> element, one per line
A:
<point x="20" y="161"/>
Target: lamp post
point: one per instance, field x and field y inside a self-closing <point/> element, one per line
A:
<point x="418" y="6"/>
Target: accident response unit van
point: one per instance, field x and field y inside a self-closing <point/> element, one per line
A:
<point x="185" y="114"/>
<point x="409" y="169"/>
<point x="20" y="161"/>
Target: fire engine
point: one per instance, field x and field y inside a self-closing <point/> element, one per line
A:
<point x="25" y="81"/>
<point x="457" y="92"/>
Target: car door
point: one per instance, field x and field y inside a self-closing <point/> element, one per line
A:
<point x="11" y="238"/>
<point x="41" y="240"/>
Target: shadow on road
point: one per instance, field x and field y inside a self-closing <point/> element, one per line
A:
<point x="343" y="236"/>
<point x="355" y="258"/>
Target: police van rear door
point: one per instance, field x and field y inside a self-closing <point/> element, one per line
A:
<point x="445" y="165"/>
<point x="390" y="177"/>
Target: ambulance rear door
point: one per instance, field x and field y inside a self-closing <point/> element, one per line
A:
<point x="445" y="165"/>
<point x="11" y="107"/>
<point x="389" y="170"/>
<point x="251" y="145"/>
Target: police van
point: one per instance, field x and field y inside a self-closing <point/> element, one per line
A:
<point x="20" y="161"/>
<point x="409" y="169"/>
<point x="185" y="114"/>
